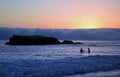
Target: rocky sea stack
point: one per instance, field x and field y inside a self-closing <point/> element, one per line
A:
<point x="36" y="40"/>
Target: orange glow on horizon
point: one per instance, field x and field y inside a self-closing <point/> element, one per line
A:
<point x="81" y="22"/>
<point x="87" y="22"/>
<point x="60" y="14"/>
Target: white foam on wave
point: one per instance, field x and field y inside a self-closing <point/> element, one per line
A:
<point x="58" y="68"/>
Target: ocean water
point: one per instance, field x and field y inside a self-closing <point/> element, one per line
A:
<point x="58" y="51"/>
<point x="61" y="60"/>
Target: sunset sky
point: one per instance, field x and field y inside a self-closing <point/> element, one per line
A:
<point x="60" y="14"/>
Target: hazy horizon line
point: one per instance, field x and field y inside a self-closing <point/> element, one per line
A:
<point x="57" y="28"/>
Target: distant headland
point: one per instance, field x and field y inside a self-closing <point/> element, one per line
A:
<point x="36" y="40"/>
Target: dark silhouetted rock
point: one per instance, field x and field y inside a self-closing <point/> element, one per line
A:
<point x="32" y="40"/>
<point x="70" y="42"/>
<point x="36" y="40"/>
<point x="67" y="42"/>
<point x="77" y="43"/>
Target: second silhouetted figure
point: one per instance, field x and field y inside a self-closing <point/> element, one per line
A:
<point x="88" y="50"/>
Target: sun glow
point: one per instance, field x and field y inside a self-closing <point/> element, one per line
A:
<point x="87" y="23"/>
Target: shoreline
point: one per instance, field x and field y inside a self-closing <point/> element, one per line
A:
<point x="113" y="73"/>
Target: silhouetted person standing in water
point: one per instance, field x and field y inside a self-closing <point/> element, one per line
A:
<point x="81" y="50"/>
<point x="88" y="50"/>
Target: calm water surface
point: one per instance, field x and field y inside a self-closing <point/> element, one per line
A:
<point x="58" y="51"/>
